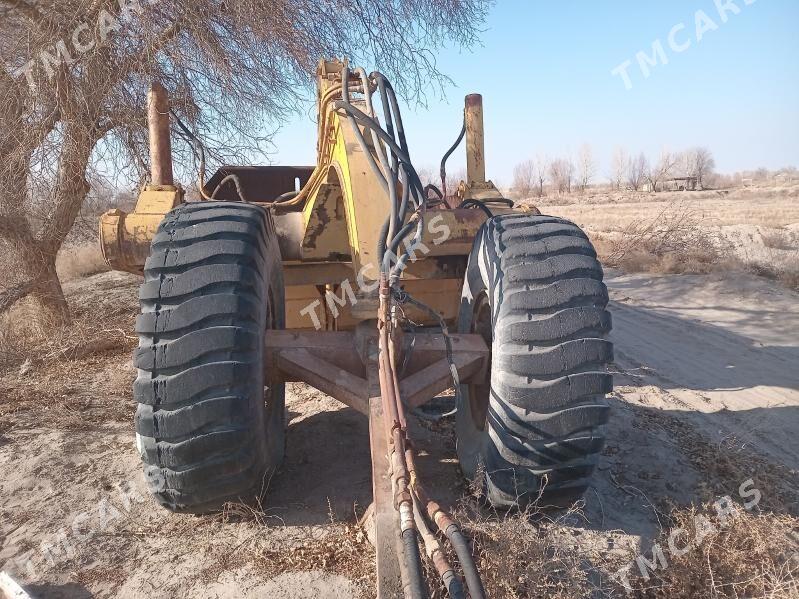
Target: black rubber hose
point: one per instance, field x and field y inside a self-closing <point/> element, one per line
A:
<point x="430" y="187"/>
<point x="382" y="239"/>
<point x="236" y="182"/>
<point x="401" y="154"/>
<point x="413" y="562"/>
<point x="453" y="585"/>
<point x="461" y="546"/>
<point x="285" y="197"/>
<point x="391" y="249"/>
<point x="478" y="204"/>
<point x="443" y="170"/>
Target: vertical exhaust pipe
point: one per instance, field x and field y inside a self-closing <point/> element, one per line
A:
<point x="475" y="140"/>
<point x="160" y="143"/>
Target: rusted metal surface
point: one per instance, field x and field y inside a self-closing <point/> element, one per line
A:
<point x="475" y="140"/>
<point x="424" y="385"/>
<point x="325" y="235"/>
<point x="160" y="143"/>
<point x="428" y="348"/>
<point x="301" y="365"/>
<point x="335" y="347"/>
<point x="259" y="183"/>
<point x="330" y="361"/>
<point x="387" y="559"/>
<point x="476" y="187"/>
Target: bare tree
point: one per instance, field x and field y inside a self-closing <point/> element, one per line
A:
<point x="427" y="175"/>
<point x="618" y="167"/>
<point x="75" y="74"/>
<point x="541" y="168"/>
<point x="524" y="178"/>
<point x="561" y="173"/>
<point x="661" y="170"/>
<point x="586" y="165"/>
<point x="568" y="170"/>
<point x="556" y="174"/>
<point x="636" y="171"/>
<point x="703" y="165"/>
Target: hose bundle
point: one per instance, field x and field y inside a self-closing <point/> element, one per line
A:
<point x="389" y="159"/>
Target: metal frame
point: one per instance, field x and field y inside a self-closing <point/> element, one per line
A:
<point x="336" y="363"/>
<point x="344" y="365"/>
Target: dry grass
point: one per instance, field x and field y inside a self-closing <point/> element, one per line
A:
<point x="80" y="261"/>
<point x="614" y="212"/>
<point x="96" y="327"/>
<point x="739" y="197"/>
<point x="342" y="548"/>
<point x="679" y="239"/>
<point x="75" y="370"/>
<point x="535" y="554"/>
<point x="527" y="554"/>
<point x="674" y="241"/>
<point x="778" y="239"/>
<point x="748" y="555"/>
<point x="786" y="272"/>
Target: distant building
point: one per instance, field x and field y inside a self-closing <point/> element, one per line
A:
<point x="686" y="183"/>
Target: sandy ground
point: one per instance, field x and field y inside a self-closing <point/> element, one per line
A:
<point x="707" y="396"/>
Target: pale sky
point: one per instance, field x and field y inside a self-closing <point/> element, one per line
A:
<point x="730" y="82"/>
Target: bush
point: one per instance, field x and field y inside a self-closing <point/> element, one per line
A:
<point x="80" y="261"/>
<point x="673" y="242"/>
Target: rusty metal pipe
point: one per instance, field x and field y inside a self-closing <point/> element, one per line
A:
<point x="413" y="580"/>
<point x="475" y="140"/>
<point x="160" y="142"/>
<point x="436" y="554"/>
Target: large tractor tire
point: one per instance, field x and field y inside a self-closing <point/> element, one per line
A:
<point x="207" y="429"/>
<point x="531" y="432"/>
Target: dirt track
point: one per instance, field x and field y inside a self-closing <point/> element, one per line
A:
<point x="707" y="396"/>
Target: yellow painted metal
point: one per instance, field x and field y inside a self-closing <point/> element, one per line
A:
<point x="125" y="238"/>
<point x="345" y="193"/>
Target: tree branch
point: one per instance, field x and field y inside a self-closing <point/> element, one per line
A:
<point x="32" y="13"/>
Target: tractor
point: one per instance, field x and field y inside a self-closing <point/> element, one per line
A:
<point x="356" y="278"/>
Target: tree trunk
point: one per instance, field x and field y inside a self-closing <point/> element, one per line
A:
<point x="40" y="284"/>
<point x="36" y="254"/>
<point x="48" y="296"/>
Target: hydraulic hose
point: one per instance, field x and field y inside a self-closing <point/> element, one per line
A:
<point x="236" y="181"/>
<point x="433" y="549"/>
<point x="413" y="563"/>
<point x="443" y="170"/>
<point x="455" y="536"/>
<point x="389" y="160"/>
<point x="394" y="420"/>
